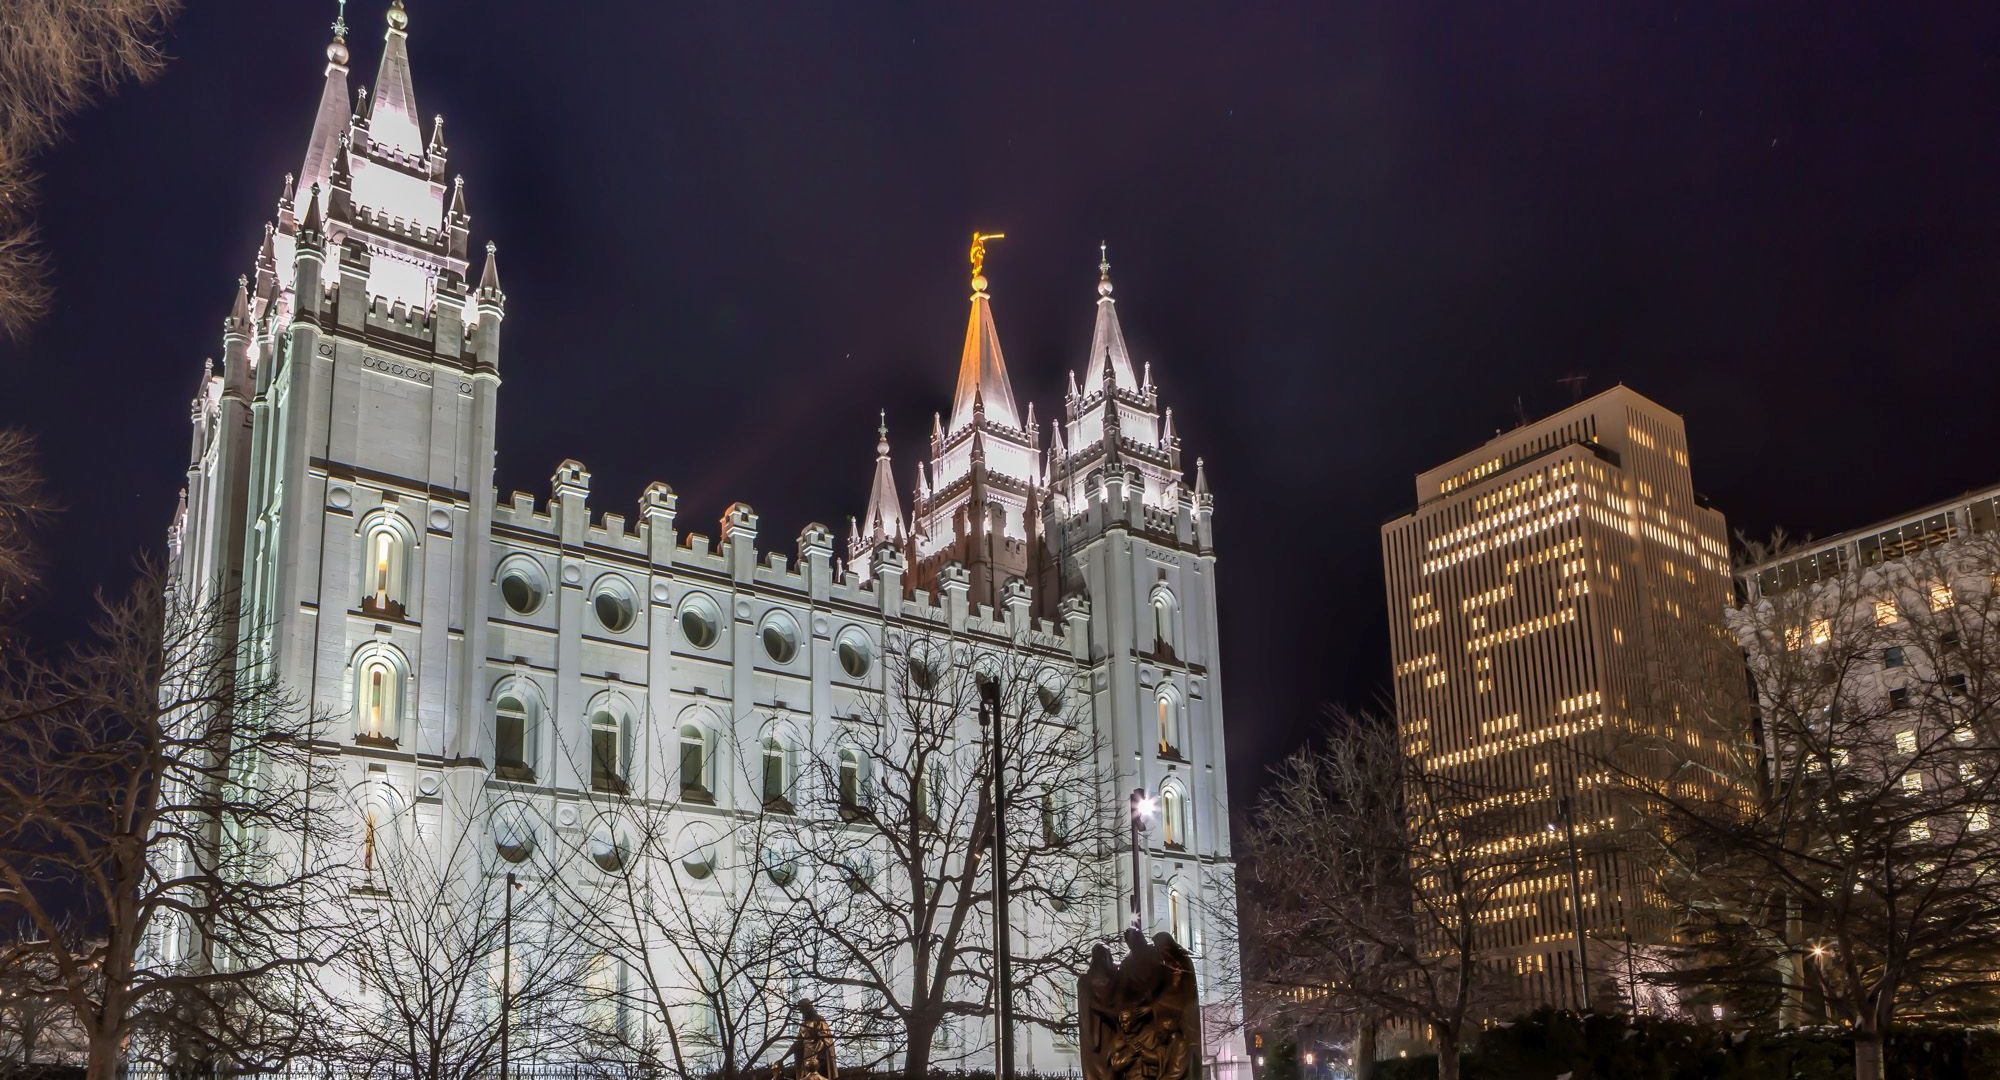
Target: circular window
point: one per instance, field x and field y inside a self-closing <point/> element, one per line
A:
<point x="855" y="656"/>
<point x="858" y="870"/>
<point x="521" y="587"/>
<point x="700" y="622"/>
<point x="513" y="836"/>
<point x="781" y="865"/>
<point x="1048" y="693"/>
<point x="698" y="854"/>
<point x="613" y="604"/>
<point x="607" y="848"/>
<point x="926" y="667"/>
<point x="781" y="637"/>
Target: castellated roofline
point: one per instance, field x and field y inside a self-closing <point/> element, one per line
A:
<point x="650" y="543"/>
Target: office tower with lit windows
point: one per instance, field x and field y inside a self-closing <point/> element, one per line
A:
<point x="1550" y="598"/>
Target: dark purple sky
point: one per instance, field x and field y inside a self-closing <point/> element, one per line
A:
<point x="1347" y="239"/>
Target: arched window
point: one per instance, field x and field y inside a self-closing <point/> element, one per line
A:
<point x="610" y="749"/>
<point x="1180" y="920"/>
<point x="694" y="762"/>
<point x="1163" y="621"/>
<point x="1168" y="706"/>
<point x="514" y="731"/>
<point x="603" y="989"/>
<point x="777" y="773"/>
<point x="854" y="784"/>
<point x="378" y="698"/>
<point x="1173" y="816"/>
<point x="385" y="567"/>
<point x="1055" y="820"/>
<point x="927" y="801"/>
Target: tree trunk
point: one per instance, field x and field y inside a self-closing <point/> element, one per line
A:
<point x="103" y="1060"/>
<point x="1868" y="1056"/>
<point x="917" y="1055"/>
<point x="1364" y="1052"/>
<point x="1447" y="1055"/>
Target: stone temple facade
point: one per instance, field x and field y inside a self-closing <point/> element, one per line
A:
<point x="340" y="495"/>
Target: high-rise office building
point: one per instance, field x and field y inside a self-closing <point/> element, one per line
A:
<point x="1553" y="598"/>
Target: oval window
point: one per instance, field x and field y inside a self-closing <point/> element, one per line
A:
<point x="855" y="656"/>
<point x="781" y="638"/>
<point x="513" y="837"/>
<point x="521" y="589"/>
<point x="613" y="605"/>
<point x="607" y="849"/>
<point x="699" y="621"/>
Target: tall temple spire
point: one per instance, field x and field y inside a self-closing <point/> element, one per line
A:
<point x="393" y="119"/>
<point x="330" y="121"/>
<point x="883" y="523"/>
<point x="982" y="369"/>
<point x="1107" y="341"/>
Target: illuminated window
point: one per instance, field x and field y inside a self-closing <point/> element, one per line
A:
<point x="1941" y="597"/>
<point x="1913" y="782"/>
<point x="1921" y="831"/>
<point x="1906" y="742"/>
<point x="1885" y="613"/>
<point x="378" y="698"/>
<point x="1168" y="708"/>
<point x="386" y="551"/>
<point x="1822" y="631"/>
<point x="1180" y="918"/>
<point x="1978" y="821"/>
<point x="1163" y="621"/>
<point x="1173" y="816"/>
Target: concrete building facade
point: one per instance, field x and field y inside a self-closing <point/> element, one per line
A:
<point x="340" y="490"/>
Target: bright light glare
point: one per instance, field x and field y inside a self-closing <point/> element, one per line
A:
<point x="1148" y="806"/>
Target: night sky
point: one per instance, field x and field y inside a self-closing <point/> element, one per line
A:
<point x="1348" y="240"/>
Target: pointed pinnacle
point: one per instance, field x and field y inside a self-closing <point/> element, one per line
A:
<point x="458" y="197"/>
<point x="239" y="313"/>
<point x="1200" y="477"/>
<point x="311" y="223"/>
<point x="489" y="278"/>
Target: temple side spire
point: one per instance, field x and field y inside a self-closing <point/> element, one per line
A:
<point x="393" y="119"/>
<point x="330" y="119"/>
<point x="1107" y="340"/>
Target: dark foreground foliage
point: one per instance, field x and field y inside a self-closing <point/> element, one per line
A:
<point x="1547" y="1044"/>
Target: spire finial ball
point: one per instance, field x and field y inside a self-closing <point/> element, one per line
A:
<point x="336" y="52"/>
<point x="398" y="18"/>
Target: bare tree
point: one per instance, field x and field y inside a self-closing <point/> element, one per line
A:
<point x="23" y="508"/>
<point x="892" y="833"/>
<point x="435" y="936"/>
<point x="36" y="1027"/>
<point x="56" y="56"/>
<point x="1859" y="874"/>
<point x="668" y="885"/>
<point x="162" y="795"/>
<point x="1374" y="877"/>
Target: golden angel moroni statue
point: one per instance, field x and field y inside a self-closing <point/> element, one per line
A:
<point x="979" y="250"/>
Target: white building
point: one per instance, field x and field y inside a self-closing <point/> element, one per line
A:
<point x="341" y="484"/>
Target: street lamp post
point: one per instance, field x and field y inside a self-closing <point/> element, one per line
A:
<point x="1143" y="806"/>
<point x="1003" y="988"/>
<point x="506" y="971"/>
